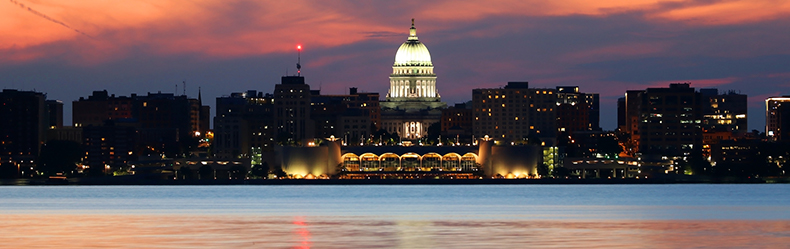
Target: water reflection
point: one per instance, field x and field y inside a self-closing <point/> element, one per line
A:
<point x="302" y="233"/>
<point x="237" y="231"/>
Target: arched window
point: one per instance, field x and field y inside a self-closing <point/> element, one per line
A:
<point x="432" y="162"/>
<point x="451" y="162"/>
<point x="469" y="162"/>
<point x="369" y="162"/>
<point x="351" y="162"/>
<point x="410" y="162"/>
<point x="390" y="162"/>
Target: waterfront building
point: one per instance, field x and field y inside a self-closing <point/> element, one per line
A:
<point x="99" y="107"/>
<point x="54" y="114"/>
<point x="23" y="128"/>
<point x="412" y="103"/>
<point x="724" y="112"/>
<point x="351" y="116"/>
<point x="665" y="122"/>
<point x="515" y="112"/>
<point x="244" y="125"/>
<point x="68" y="133"/>
<point x="457" y="123"/>
<point x="777" y="118"/>
<point x="109" y="147"/>
<point x="164" y="121"/>
<point x="292" y="106"/>
<point x="488" y="159"/>
<point x="577" y="111"/>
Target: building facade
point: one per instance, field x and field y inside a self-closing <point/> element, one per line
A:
<point x="413" y="102"/>
<point x="292" y="108"/>
<point x="515" y="112"/>
<point x="777" y="118"/>
<point x="24" y="124"/>
<point x="724" y="112"/>
<point x="670" y="121"/>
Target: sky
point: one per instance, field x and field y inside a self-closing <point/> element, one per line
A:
<point x="67" y="49"/>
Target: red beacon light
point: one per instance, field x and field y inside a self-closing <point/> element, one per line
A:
<point x="299" y="47"/>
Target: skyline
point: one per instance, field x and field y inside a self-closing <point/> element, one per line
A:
<point x="68" y="50"/>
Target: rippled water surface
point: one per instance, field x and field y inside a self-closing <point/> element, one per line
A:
<point x="464" y="216"/>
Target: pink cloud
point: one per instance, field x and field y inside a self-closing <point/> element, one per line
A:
<point x="240" y="28"/>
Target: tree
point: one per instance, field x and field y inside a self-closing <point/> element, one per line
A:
<point x="560" y="172"/>
<point x="60" y="156"/>
<point x="8" y="171"/>
<point x="434" y="131"/>
<point x="609" y="147"/>
<point x="237" y="172"/>
<point x="261" y="171"/>
<point x="543" y="170"/>
<point x="278" y="171"/>
<point x="185" y="173"/>
<point x="206" y="172"/>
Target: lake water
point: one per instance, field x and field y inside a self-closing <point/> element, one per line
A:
<point x="421" y="216"/>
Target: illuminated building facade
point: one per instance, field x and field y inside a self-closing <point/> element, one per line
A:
<point x="777" y="118"/>
<point x="292" y="109"/>
<point x="515" y="112"/>
<point x="488" y="159"/>
<point x="244" y="122"/>
<point x="108" y="147"/>
<point x="350" y="116"/>
<point x="670" y="121"/>
<point x="412" y="103"/>
<point x="724" y="112"/>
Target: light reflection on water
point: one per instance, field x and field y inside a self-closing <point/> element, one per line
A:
<point x="235" y="231"/>
<point x="598" y="216"/>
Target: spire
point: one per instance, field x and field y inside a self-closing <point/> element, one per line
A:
<point x="200" y="99"/>
<point x="412" y="32"/>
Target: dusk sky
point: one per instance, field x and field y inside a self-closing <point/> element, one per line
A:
<point x="67" y="49"/>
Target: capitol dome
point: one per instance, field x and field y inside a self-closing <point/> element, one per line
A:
<point x="413" y="52"/>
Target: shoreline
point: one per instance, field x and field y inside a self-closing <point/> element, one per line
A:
<point x="109" y="181"/>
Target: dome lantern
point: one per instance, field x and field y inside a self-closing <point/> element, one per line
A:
<point x="413" y="52"/>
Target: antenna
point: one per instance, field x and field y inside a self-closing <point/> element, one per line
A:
<point x="185" y="87"/>
<point x="176" y="91"/>
<point x="299" y="60"/>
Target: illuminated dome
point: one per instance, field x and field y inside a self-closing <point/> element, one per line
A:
<point x="413" y="52"/>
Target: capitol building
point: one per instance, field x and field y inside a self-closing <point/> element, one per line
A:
<point x="412" y="103"/>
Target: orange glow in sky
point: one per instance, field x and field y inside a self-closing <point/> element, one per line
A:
<point x="222" y="29"/>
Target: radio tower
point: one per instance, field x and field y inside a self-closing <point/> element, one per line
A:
<point x="298" y="60"/>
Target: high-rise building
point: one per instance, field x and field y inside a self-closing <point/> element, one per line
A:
<point x="621" y="114"/>
<point x="109" y="147"/>
<point x="327" y="111"/>
<point x="577" y="111"/>
<point x="23" y="127"/>
<point x="631" y="119"/>
<point x="515" y="112"/>
<point x="55" y="114"/>
<point x="412" y="103"/>
<point x="292" y="107"/>
<point x="670" y="121"/>
<point x="724" y="112"/>
<point x="777" y="118"/>
<point x="163" y="120"/>
<point x="244" y="125"/>
<point x="100" y="107"/>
